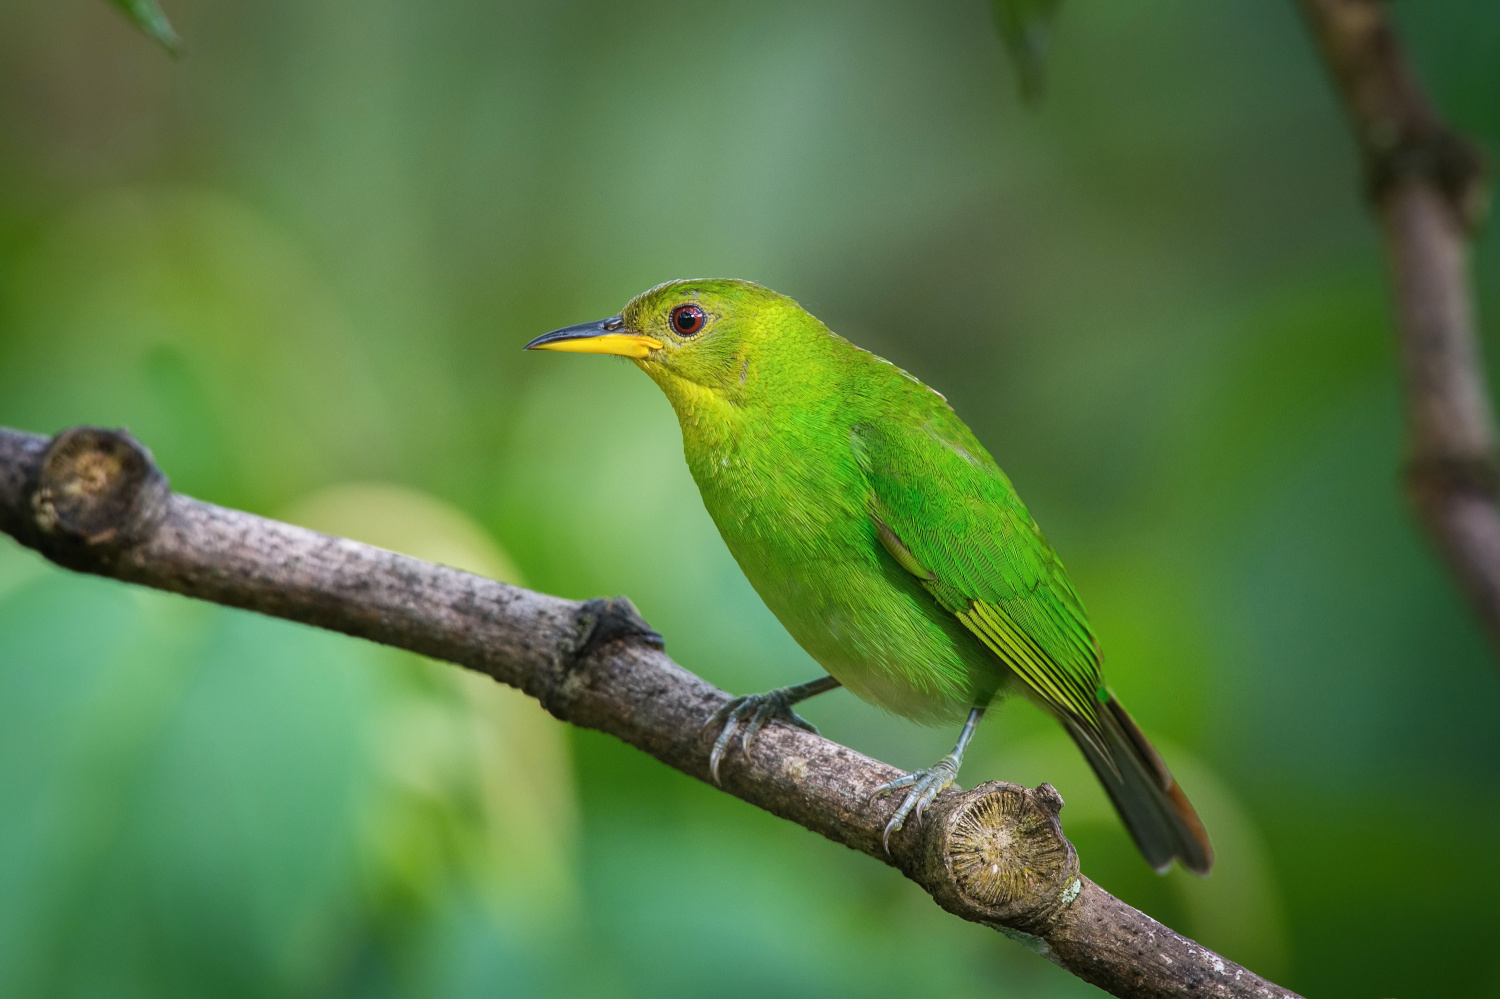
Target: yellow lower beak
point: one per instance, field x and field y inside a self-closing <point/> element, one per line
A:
<point x="597" y="338"/>
<point x="624" y="344"/>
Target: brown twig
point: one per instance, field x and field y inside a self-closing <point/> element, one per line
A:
<point x="94" y="501"/>
<point x="1428" y="188"/>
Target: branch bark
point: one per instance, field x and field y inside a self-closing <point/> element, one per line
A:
<point x="94" y="501"/>
<point x="1428" y="188"/>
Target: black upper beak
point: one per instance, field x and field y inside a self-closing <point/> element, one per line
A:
<point x="582" y="331"/>
<point x="607" y="336"/>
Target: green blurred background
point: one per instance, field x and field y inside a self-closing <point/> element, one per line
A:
<point x="299" y="263"/>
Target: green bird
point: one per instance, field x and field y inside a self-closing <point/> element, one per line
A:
<point x="884" y="537"/>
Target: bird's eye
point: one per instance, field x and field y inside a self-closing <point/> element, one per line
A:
<point x="687" y="319"/>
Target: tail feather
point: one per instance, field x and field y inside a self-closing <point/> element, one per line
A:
<point x="1161" y="820"/>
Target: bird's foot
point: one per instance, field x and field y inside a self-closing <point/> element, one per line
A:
<point x="749" y="714"/>
<point x="925" y="785"/>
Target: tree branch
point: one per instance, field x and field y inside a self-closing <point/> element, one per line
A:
<point x="94" y="501"/>
<point x="1428" y="188"/>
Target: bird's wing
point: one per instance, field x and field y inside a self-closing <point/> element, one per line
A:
<point x="949" y="516"/>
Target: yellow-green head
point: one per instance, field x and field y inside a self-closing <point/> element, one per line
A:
<point x="697" y="335"/>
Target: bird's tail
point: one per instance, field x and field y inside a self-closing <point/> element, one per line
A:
<point x="1161" y="820"/>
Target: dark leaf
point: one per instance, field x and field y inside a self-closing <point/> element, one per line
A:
<point x="1026" y="28"/>
<point x="148" y="16"/>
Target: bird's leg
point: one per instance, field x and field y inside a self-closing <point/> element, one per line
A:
<point x="749" y="714"/>
<point x="926" y="783"/>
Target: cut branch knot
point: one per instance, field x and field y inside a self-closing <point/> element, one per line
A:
<point x="1003" y="858"/>
<point x="98" y="489"/>
<point x="1402" y="139"/>
<point x="598" y="624"/>
<point x="603" y="620"/>
<point x="1437" y="156"/>
<point x="1428" y="475"/>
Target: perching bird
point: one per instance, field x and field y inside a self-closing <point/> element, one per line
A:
<point x="884" y="537"/>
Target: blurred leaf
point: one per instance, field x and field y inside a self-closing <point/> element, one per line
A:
<point x="148" y="16"/>
<point x="456" y="744"/>
<point x="1026" y="28"/>
<point x="222" y="334"/>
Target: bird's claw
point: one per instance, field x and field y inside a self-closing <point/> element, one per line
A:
<point x="925" y="785"/>
<point x="747" y="715"/>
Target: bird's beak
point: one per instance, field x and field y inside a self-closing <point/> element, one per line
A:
<point x="607" y="336"/>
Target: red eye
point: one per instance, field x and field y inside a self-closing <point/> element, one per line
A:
<point x="687" y="319"/>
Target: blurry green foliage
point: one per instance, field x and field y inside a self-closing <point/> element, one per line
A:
<point x="300" y="265"/>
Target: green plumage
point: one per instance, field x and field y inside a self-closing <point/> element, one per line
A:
<point x="883" y="535"/>
<point x="805" y="446"/>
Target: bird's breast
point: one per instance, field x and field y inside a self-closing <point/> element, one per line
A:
<point x="785" y="495"/>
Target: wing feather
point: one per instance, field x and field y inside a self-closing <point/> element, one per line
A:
<point x="949" y="516"/>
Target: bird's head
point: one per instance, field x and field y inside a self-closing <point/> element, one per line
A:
<point x="692" y="335"/>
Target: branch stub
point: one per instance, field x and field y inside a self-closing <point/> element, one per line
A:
<point x="1006" y="856"/>
<point x="99" y="487"/>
